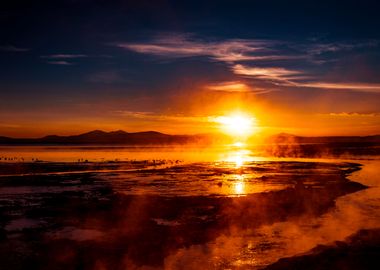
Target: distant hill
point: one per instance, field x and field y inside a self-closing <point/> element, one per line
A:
<point x="113" y="137"/>
<point x="121" y="137"/>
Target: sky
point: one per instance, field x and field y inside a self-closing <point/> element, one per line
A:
<point x="304" y="67"/>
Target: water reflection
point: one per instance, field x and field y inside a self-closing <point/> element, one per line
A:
<point x="239" y="188"/>
<point x="237" y="157"/>
<point x="230" y="172"/>
<point x="266" y="244"/>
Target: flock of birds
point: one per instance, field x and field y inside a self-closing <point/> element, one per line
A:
<point x="13" y="159"/>
<point x="81" y="160"/>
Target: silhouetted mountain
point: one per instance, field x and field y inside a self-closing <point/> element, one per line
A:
<point x="156" y="138"/>
<point x="113" y="137"/>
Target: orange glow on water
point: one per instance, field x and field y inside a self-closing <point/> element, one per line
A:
<point x="239" y="186"/>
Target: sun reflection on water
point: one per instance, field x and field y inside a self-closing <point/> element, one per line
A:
<point x="239" y="188"/>
<point x="239" y="157"/>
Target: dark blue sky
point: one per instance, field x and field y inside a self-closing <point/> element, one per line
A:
<point x="125" y="64"/>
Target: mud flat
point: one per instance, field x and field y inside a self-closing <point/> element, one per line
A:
<point x="127" y="216"/>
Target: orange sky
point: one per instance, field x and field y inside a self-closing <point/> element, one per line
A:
<point x="194" y="113"/>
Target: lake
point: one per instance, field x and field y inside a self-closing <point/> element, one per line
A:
<point x="228" y="207"/>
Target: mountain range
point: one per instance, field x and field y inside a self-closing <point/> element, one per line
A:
<point x="157" y="138"/>
<point x="113" y="137"/>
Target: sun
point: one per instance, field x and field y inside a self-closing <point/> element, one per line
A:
<point x="238" y="124"/>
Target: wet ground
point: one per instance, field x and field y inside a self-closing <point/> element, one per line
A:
<point x="161" y="214"/>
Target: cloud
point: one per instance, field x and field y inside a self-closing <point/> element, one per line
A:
<point x="365" y="87"/>
<point x="64" y="56"/>
<point x="10" y="48"/>
<point x="6" y="125"/>
<point x="135" y="114"/>
<point x="60" y="63"/>
<point x="267" y="73"/>
<point x="233" y="86"/>
<point x="240" y="55"/>
<point x="320" y="48"/>
<point x="152" y="116"/>
<point x="236" y="50"/>
<point x="63" y="59"/>
<point x="233" y="50"/>
<point x="292" y="78"/>
<point x="236" y="87"/>
<point x="352" y="114"/>
<point x="330" y="52"/>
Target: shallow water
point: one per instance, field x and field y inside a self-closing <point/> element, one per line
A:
<point x="96" y="153"/>
<point x="109" y="153"/>
<point x="224" y="208"/>
<point x="266" y="244"/>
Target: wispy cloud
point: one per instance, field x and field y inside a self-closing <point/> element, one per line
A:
<point x="320" y="48"/>
<point x="366" y="87"/>
<point x="268" y="73"/>
<point x="6" y="125"/>
<point x="243" y="55"/>
<point x="292" y="78"/>
<point x="68" y="59"/>
<point x="60" y="63"/>
<point x="62" y="59"/>
<point x="10" y="48"/>
<point x="152" y="116"/>
<point x="233" y="50"/>
<point x="64" y="56"/>
<point x="234" y="86"/>
<point x="352" y="114"/>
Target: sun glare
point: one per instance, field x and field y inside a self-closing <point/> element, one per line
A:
<point x="237" y="124"/>
<point x="238" y="144"/>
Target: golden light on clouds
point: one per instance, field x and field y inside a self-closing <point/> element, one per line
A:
<point x="229" y="87"/>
